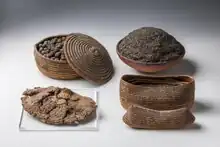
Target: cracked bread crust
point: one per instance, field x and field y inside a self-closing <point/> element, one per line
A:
<point x="58" y="106"/>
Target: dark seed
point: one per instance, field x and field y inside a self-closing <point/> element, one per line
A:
<point x="45" y="43"/>
<point x="59" y="40"/>
<point x="49" y="46"/>
<point x="47" y="51"/>
<point x="57" y="54"/>
<point x="59" y="45"/>
<point x="43" y="52"/>
<point x="50" y="54"/>
<point x="56" y="50"/>
<point x="53" y="40"/>
<point x="52" y="48"/>
<point x="40" y="49"/>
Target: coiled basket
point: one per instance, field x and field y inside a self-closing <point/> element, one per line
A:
<point x="51" y="68"/>
<point x="85" y="58"/>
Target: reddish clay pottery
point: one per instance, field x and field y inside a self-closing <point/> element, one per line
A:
<point x="150" y="49"/>
<point x="148" y="68"/>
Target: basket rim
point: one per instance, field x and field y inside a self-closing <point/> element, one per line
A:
<point x="146" y="64"/>
<point x="46" y="38"/>
<point x="191" y="79"/>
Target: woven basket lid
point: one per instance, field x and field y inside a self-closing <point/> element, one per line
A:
<point x="88" y="58"/>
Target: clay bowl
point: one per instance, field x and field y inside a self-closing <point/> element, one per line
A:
<point x="54" y="69"/>
<point x="148" y="68"/>
<point x="157" y="92"/>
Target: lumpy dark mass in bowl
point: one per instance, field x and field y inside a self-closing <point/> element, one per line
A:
<point x="150" y="45"/>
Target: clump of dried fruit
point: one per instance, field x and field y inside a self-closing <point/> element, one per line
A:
<point x="150" y="45"/>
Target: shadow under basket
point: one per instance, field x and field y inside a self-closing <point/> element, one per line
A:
<point x="54" y="69"/>
<point x="157" y="92"/>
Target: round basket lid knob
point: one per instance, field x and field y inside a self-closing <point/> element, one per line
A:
<point x="88" y="58"/>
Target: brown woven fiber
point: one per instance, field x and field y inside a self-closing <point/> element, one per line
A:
<point x="157" y="92"/>
<point x="51" y="68"/>
<point x="88" y="58"/>
<point x="143" y="118"/>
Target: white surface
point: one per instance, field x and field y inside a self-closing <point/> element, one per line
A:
<point x="27" y="25"/>
<point x="28" y="123"/>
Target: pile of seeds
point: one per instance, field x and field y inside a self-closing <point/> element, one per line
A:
<point x="52" y="48"/>
<point x="150" y="45"/>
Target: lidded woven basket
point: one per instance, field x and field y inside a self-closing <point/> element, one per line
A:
<point x="51" y="68"/>
<point x="85" y="57"/>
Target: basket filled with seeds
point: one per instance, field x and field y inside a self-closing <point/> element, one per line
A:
<point x="150" y="49"/>
<point x="74" y="56"/>
<point x="50" y="58"/>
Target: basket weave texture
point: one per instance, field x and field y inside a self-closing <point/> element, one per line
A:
<point x="144" y="118"/>
<point x="157" y="102"/>
<point x="88" y="58"/>
<point x="85" y="57"/>
<point x="54" y="69"/>
<point x="160" y="93"/>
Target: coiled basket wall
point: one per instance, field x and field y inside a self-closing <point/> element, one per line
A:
<point x="53" y="69"/>
<point x="160" y="93"/>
